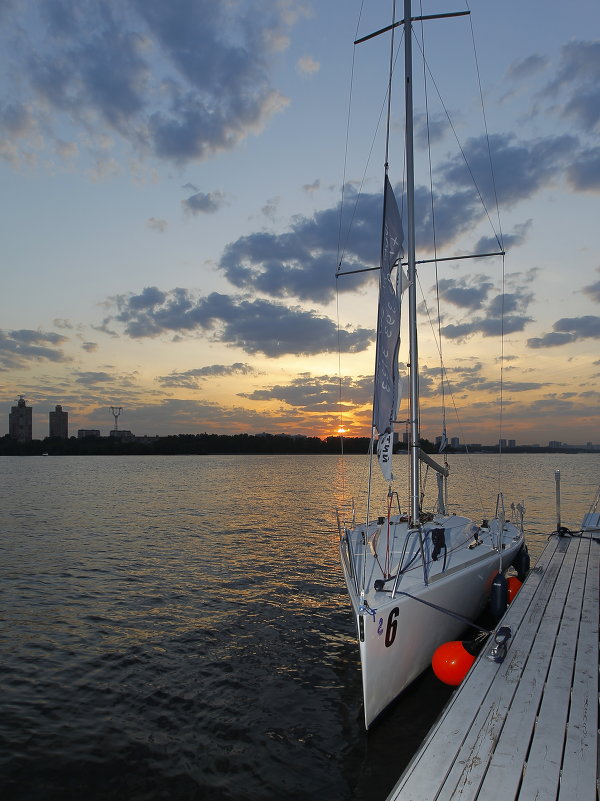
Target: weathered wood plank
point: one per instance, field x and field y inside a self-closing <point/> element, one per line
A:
<point x="419" y="781"/>
<point x="505" y="698"/>
<point x="505" y="771"/>
<point x="528" y="728"/>
<point x="579" y="774"/>
<point x="544" y="761"/>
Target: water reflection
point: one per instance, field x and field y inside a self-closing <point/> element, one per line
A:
<point x="177" y="626"/>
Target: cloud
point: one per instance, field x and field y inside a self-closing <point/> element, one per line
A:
<point x="584" y="327"/>
<point x="270" y="207"/>
<point x="567" y="330"/>
<point x="520" y="168"/>
<point x="469" y="292"/>
<point x="202" y="203"/>
<point x="222" y="90"/>
<point x="593" y="291"/>
<point x="15" y="119"/>
<point x="306" y="65"/>
<point x="91" y="378"/>
<point x="507" y="303"/>
<point x="19" y="348"/>
<point x="584" y="172"/>
<point x="578" y="78"/>
<point x="317" y="393"/>
<point x="90" y="347"/>
<point x="254" y="326"/>
<point x="486" y="326"/>
<point x="526" y="68"/>
<point x="150" y="297"/>
<point x="310" y="188"/>
<point x="429" y="129"/>
<point x="550" y="340"/>
<point x="191" y="378"/>
<point x="301" y="262"/>
<point x="509" y="240"/>
<point x="60" y="322"/>
<point x="157" y="225"/>
<point x="498" y="312"/>
<point x="471" y="379"/>
<point x="180" y="81"/>
<point x="29" y="337"/>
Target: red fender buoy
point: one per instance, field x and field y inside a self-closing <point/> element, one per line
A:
<point x="451" y="662"/>
<point x="514" y="585"/>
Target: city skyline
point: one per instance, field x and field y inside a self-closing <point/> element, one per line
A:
<point x="174" y="175"/>
<point x="58" y="420"/>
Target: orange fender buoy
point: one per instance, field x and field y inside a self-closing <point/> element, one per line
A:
<point x="514" y="585"/>
<point x="451" y="662"/>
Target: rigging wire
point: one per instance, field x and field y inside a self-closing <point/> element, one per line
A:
<point x="461" y="148"/>
<point x="434" y="234"/>
<point x="346" y="147"/>
<point x="496" y="229"/>
<point x="389" y="93"/>
<point x="385" y="103"/>
<point x="453" y="399"/>
<point x="500" y="240"/>
<point x="343" y="237"/>
<point x="339" y="261"/>
<point x="383" y="223"/>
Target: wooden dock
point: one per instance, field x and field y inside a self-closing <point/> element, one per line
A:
<point x="525" y="728"/>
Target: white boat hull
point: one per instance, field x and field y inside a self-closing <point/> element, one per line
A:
<point x="397" y="633"/>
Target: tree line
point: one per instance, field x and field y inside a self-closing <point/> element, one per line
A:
<point x="206" y="444"/>
<point x="200" y="444"/>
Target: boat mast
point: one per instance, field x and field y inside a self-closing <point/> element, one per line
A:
<point x="414" y="414"/>
<point x="415" y="506"/>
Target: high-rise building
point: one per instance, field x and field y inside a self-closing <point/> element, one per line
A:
<point x="19" y="421"/>
<point x="454" y="442"/>
<point x="59" y="423"/>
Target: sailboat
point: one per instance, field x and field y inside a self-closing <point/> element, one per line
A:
<point x="414" y="578"/>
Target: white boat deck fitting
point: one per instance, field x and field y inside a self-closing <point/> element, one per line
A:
<point x="526" y="728"/>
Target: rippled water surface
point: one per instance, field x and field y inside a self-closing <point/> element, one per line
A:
<point x="177" y="628"/>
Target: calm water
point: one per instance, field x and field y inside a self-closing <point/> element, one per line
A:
<point x="176" y="628"/>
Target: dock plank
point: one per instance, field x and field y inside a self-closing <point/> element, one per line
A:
<point x="419" y="782"/>
<point x="527" y="727"/>
<point x="507" y="763"/>
<point x="544" y="761"/>
<point x="579" y="777"/>
<point x="505" y="697"/>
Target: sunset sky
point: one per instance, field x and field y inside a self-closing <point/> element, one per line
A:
<point x="172" y="176"/>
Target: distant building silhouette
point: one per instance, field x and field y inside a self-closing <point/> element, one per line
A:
<point x="59" y="423"/>
<point x="19" y="421"/>
<point x="454" y="442"/>
<point x="122" y="434"/>
<point x="88" y="432"/>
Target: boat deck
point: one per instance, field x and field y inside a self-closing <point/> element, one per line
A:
<point x="525" y="728"/>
